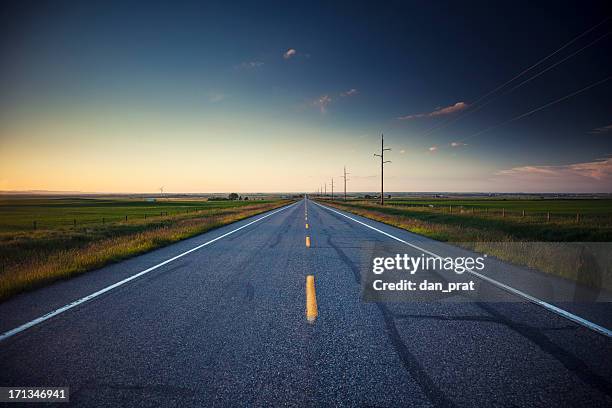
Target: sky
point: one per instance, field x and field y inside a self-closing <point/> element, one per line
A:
<point x="280" y="96"/>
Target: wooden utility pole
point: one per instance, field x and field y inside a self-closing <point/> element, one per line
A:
<point x="332" y="197"/>
<point x="345" y="173"/>
<point x="382" y="167"/>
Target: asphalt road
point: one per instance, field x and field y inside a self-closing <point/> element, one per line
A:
<point x="225" y="325"/>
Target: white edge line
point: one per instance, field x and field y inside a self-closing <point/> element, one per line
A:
<point x="87" y="298"/>
<point x="552" y="308"/>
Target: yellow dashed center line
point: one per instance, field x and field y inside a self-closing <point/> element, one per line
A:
<point x="311" y="300"/>
<point x="307" y="242"/>
<point x="306" y="225"/>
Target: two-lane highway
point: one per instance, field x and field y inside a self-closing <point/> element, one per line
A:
<point x="227" y="324"/>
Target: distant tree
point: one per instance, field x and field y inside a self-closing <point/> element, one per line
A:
<point x="368" y="197"/>
<point x="246" y="198"/>
<point x="233" y="196"/>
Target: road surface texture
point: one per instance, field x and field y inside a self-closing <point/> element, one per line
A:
<point x="225" y="325"/>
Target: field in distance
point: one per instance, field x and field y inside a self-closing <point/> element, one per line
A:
<point x="26" y="213"/>
<point x="570" y="207"/>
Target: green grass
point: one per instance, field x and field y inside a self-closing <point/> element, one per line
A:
<point x="57" y="249"/>
<point x="567" y="207"/>
<point x="19" y="214"/>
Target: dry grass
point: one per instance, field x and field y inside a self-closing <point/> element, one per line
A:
<point x="33" y="259"/>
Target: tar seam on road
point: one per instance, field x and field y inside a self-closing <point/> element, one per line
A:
<point x="311" y="300"/>
<point x="552" y="308"/>
<point x="87" y="298"/>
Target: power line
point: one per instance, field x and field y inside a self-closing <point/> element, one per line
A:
<point x="475" y="103"/>
<point x="534" y="76"/>
<point x="557" y="63"/>
<point x="531" y="112"/>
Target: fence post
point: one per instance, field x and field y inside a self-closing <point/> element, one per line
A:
<point x="450" y="208"/>
<point x="74" y="222"/>
<point x="503" y="212"/>
<point x="34" y="222"/>
<point x="145" y="216"/>
<point x="523" y="214"/>
<point x="126" y="217"/>
<point x="578" y="217"/>
<point x="103" y="220"/>
<point x="548" y="216"/>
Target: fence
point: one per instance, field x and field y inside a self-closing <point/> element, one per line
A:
<point x="496" y="212"/>
<point x="100" y="220"/>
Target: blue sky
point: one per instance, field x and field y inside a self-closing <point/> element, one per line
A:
<point x="264" y="96"/>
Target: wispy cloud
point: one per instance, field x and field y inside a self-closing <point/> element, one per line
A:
<point x="433" y="149"/>
<point x="600" y="170"/>
<point x="458" y="107"/>
<point x="402" y="151"/>
<point x="215" y="97"/>
<point x="458" y="144"/>
<point x="290" y="53"/>
<point x="603" y="129"/>
<point x="322" y="102"/>
<point x="350" y="92"/>
<point x="251" y="65"/>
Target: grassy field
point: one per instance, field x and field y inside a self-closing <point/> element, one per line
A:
<point x="555" y="206"/>
<point x="59" y="247"/>
<point x="20" y="214"/>
<point x="509" y="236"/>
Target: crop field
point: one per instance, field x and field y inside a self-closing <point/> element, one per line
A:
<point x="26" y="214"/>
<point x="45" y="239"/>
<point x="563" y="207"/>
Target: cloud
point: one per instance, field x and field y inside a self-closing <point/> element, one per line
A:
<point x="603" y="129"/>
<point x="215" y="97"/>
<point x="402" y="151"/>
<point x="458" y="144"/>
<point x="598" y="170"/>
<point x="290" y="53"/>
<point x="350" y="92"/>
<point x="251" y="65"/>
<point x="325" y="100"/>
<point x="433" y="148"/>
<point x="322" y="103"/>
<point x="458" y="107"/>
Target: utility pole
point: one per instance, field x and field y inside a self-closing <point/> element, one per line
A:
<point x="325" y="193"/>
<point x="345" y="173"/>
<point x="332" y="197"/>
<point x="382" y="166"/>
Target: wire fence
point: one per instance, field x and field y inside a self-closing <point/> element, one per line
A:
<point x="510" y="213"/>
<point x="33" y="223"/>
